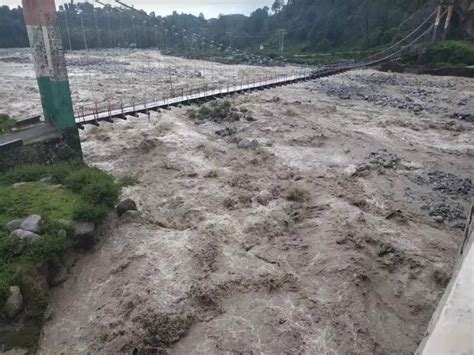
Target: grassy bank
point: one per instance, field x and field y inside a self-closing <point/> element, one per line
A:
<point x="62" y="194"/>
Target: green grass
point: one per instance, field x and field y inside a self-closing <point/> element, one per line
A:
<point x="37" y="198"/>
<point x="6" y="124"/>
<point x="85" y="194"/>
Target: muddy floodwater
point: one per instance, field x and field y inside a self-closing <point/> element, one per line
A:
<point x="325" y="221"/>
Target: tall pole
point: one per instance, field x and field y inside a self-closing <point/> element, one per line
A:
<point x="67" y="27"/>
<point x="50" y="66"/>
<point x="437" y="21"/>
<point x="448" y="21"/>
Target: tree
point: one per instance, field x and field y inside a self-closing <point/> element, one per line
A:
<point x="278" y="5"/>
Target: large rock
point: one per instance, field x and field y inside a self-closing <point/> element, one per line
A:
<point x="25" y="236"/>
<point x="14" y="303"/>
<point x="13" y="225"/>
<point x="84" y="235"/>
<point x="126" y="205"/>
<point x="32" y="223"/>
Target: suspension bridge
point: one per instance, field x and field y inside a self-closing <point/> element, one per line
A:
<point x="121" y="109"/>
<point x="64" y="110"/>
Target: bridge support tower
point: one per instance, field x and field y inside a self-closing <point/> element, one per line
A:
<point x="50" y="66"/>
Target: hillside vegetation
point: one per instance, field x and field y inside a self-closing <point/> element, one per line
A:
<point x="310" y="26"/>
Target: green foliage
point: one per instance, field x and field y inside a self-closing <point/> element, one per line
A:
<point x="87" y="212"/>
<point x="34" y="172"/>
<point x="24" y="173"/>
<point x="47" y="247"/>
<point x="8" y="246"/>
<point x="126" y="181"/>
<point x="94" y="185"/>
<point x="85" y="196"/>
<point x="37" y="198"/>
<point x="451" y="53"/>
<point x="216" y="111"/>
<point x="6" y="124"/>
<point x="24" y="338"/>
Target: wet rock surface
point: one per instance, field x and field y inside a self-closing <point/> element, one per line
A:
<point x="413" y="97"/>
<point x="444" y="202"/>
<point x="383" y="158"/>
<point x="126" y="205"/>
<point x="445" y="182"/>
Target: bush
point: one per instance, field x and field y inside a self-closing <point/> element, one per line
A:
<point x="102" y="192"/>
<point x="47" y="248"/>
<point x="125" y="181"/>
<point x="217" y="111"/>
<point x="7" y="248"/>
<point x="25" y="173"/>
<point x="34" y="172"/>
<point x="95" y="186"/>
<point x="87" y="212"/>
<point x="451" y="53"/>
<point x="6" y="124"/>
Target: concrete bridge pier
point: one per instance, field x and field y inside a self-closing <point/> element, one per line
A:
<point x="50" y="66"/>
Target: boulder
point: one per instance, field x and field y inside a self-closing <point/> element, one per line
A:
<point x="14" y="303"/>
<point x="19" y="185"/>
<point x="25" y="236"/>
<point x="126" y="205"/>
<point x="84" y="235"/>
<point x="247" y="143"/>
<point x="32" y="223"/>
<point x="13" y="225"/>
<point x="47" y="180"/>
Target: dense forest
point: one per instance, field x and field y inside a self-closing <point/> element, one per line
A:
<point x="294" y="26"/>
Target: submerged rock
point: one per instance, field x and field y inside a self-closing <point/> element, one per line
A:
<point x="248" y="143"/>
<point x="126" y="205"/>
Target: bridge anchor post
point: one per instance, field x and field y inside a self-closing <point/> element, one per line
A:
<point x="50" y="66"/>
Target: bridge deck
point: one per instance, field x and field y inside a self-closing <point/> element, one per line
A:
<point x="133" y="110"/>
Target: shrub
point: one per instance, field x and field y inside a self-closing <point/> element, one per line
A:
<point x="102" y="192"/>
<point x="47" y="247"/>
<point x="95" y="186"/>
<point x="7" y="248"/>
<point x="125" y="181"/>
<point x="218" y="111"/>
<point x="451" y="53"/>
<point x="6" y="124"/>
<point x="87" y="212"/>
<point x="25" y="173"/>
<point x="77" y="180"/>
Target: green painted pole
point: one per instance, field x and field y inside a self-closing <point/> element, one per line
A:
<point x="50" y="66"/>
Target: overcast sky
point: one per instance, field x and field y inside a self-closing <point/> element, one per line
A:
<point x="210" y="8"/>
